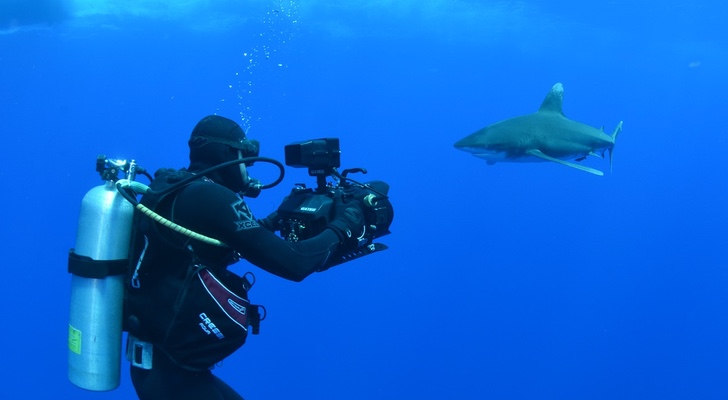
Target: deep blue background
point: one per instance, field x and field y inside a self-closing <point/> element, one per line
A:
<point x="513" y="281"/>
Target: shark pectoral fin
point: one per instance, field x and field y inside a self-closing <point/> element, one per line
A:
<point x="539" y="154"/>
<point x="591" y="153"/>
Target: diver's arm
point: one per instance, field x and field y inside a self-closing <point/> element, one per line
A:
<point x="226" y="217"/>
<point x="294" y="261"/>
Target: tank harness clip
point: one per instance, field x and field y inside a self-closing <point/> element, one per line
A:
<point x="248" y="281"/>
<point x="255" y="316"/>
<point x="139" y="353"/>
<point x="135" y="282"/>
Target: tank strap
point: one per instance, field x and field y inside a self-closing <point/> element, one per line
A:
<point x="87" y="267"/>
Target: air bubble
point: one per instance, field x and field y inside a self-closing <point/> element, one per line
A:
<point x="279" y="25"/>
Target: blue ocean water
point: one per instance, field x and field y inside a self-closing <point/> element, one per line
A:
<point x="512" y="281"/>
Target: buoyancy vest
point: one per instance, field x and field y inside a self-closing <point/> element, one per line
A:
<point x="196" y="314"/>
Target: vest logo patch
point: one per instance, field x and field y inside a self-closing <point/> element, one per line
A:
<point x="209" y="327"/>
<point x="245" y="216"/>
<point x="238" y="307"/>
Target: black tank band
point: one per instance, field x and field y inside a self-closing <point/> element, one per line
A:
<point x="87" y="267"/>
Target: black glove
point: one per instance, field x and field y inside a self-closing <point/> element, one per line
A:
<point x="347" y="223"/>
<point x="271" y="222"/>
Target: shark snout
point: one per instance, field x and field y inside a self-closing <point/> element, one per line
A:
<point x="479" y="149"/>
<point x="467" y="144"/>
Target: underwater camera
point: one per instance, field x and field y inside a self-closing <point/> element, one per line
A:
<point x="307" y="211"/>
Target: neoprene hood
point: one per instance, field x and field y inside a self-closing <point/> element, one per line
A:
<point x="216" y="140"/>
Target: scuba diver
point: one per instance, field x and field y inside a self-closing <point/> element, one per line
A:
<point x="184" y="310"/>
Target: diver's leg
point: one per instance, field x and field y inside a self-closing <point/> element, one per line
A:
<point x="168" y="381"/>
<point x="225" y="391"/>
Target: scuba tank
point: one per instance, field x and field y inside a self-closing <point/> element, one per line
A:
<point x="98" y="264"/>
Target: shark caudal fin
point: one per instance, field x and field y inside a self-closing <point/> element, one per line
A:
<point x="614" y="140"/>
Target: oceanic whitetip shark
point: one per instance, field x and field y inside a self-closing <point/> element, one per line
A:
<point x="546" y="135"/>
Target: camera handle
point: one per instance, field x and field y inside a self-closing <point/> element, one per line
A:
<point x="354" y="170"/>
<point x="322" y="173"/>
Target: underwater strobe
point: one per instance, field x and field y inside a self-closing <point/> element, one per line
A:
<point x="98" y="264"/>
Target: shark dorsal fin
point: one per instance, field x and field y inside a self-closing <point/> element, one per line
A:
<point x="554" y="100"/>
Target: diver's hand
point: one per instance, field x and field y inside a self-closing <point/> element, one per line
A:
<point x="273" y="221"/>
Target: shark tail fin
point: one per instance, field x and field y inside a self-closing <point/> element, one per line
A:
<point x="616" y="132"/>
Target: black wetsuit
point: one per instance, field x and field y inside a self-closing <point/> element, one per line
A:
<point x="215" y="211"/>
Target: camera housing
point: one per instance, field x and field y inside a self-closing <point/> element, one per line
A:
<point x="306" y="212"/>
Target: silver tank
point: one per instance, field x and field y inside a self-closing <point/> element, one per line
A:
<point x="94" y="336"/>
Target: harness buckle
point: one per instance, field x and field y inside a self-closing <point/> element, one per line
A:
<point x="139" y="353"/>
<point x="248" y="281"/>
<point x="255" y="316"/>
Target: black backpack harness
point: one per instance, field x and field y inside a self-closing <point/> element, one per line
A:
<point x="202" y="316"/>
